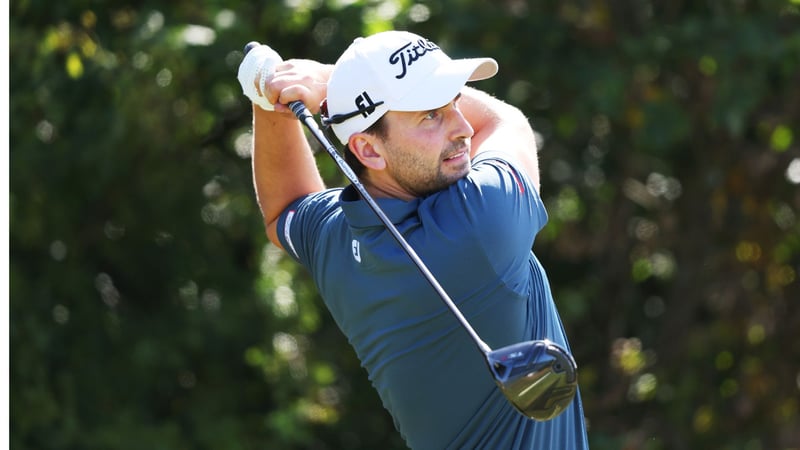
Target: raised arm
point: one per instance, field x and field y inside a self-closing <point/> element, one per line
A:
<point x="284" y="168"/>
<point x="500" y="126"/>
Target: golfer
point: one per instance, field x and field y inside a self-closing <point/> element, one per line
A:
<point x="456" y="171"/>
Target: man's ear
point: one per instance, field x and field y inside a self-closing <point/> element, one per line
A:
<point x="368" y="150"/>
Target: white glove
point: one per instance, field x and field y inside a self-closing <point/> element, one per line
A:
<point x="257" y="66"/>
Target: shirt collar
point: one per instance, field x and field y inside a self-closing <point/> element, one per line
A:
<point x="360" y="215"/>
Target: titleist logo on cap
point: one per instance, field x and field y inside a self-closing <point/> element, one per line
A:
<point x="407" y="54"/>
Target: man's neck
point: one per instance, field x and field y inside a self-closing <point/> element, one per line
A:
<point x="379" y="187"/>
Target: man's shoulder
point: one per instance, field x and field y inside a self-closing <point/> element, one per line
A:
<point x="320" y="200"/>
<point x="493" y="156"/>
<point x="305" y="218"/>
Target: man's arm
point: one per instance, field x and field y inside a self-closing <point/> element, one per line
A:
<point x="502" y="127"/>
<point x="284" y="168"/>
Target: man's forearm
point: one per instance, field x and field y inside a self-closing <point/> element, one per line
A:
<point x="284" y="168"/>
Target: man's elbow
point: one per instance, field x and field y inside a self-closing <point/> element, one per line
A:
<point x="272" y="233"/>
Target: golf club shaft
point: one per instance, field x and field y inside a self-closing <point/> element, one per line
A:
<point x="302" y="113"/>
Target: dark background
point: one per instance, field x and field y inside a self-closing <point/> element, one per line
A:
<point x="147" y="310"/>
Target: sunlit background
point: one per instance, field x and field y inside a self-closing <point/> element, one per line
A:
<point x="148" y="310"/>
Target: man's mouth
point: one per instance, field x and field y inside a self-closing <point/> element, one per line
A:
<point x="456" y="156"/>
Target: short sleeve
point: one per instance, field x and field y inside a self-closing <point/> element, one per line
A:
<point x="496" y="205"/>
<point x="300" y="223"/>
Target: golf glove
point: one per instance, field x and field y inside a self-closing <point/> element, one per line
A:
<point x="256" y="67"/>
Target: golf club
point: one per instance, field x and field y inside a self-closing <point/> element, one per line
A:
<point x="538" y="377"/>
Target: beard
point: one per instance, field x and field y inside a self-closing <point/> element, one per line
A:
<point x="423" y="177"/>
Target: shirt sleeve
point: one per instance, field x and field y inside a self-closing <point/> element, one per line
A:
<point x="300" y="223"/>
<point x="496" y="210"/>
<point x="500" y="176"/>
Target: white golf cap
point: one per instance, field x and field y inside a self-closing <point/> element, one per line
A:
<point x="394" y="71"/>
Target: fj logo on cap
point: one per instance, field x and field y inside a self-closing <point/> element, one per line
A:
<point x="365" y="104"/>
<point x="407" y="54"/>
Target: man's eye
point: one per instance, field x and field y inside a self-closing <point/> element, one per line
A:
<point x="432" y="115"/>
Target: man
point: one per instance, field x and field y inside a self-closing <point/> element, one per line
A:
<point x="456" y="171"/>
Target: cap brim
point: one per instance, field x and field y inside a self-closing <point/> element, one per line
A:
<point x="442" y="86"/>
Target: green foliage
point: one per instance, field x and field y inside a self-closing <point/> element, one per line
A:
<point x="148" y="311"/>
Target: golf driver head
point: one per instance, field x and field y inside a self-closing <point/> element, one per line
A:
<point x="538" y="377"/>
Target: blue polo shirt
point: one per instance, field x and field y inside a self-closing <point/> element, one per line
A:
<point x="476" y="238"/>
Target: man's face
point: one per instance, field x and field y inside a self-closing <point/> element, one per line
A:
<point x="427" y="151"/>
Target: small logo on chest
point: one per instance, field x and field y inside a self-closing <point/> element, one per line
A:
<point x="356" y="250"/>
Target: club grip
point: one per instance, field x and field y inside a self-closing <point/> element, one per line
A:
<point x="299" y="109"/>
<point x="250" y="45"/>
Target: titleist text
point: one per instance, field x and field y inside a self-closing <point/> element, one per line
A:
<point x="407" y="54"/>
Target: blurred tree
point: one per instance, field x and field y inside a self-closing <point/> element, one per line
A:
<point x="148" y="310"/>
